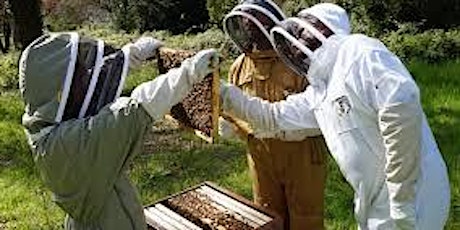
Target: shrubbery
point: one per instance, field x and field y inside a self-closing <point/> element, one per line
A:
<point x="9" y="72"/>
<point x="211" y="38"/>
<point x="429" y="46"/>
<point x="218" y="9"/>
<point x="63" y="15"/>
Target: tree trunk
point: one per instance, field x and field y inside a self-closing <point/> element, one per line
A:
<point x="27" y="20"/>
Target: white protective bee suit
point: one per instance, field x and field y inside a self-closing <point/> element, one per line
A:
<point x="368" y="108"/>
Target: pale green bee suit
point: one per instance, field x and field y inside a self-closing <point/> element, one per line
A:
<point x="83" y="158"/>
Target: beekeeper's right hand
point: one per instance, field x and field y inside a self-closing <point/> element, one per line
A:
<point x="159" y="95"/>
<point x="203" y="63"/>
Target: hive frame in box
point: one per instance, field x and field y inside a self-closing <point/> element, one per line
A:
<point x="215" y="92"/>
<point x="221" y="195"/>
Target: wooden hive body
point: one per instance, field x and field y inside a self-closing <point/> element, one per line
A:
<point x="207" y="206"/>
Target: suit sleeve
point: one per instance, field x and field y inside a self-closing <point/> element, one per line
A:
<point x="294" y="113"/>
<point x="396" y="99"/>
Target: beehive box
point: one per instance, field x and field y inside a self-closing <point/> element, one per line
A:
<point x="207" y="206"/>
<point x="199" y="111"/>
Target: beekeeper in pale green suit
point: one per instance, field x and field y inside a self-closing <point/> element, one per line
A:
<point x="82" y="134"/>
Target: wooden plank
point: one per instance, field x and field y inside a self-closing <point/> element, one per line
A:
<point x="186" y="223"/>
<point x="154" y="220"/>
<point x="228" y="202"/>
<point x="237" y="213"/>
<point x="241" y="199"/>
<point x="169" y="222"/>
<point x="215" y="101"/>
<point x="275" y="224"/>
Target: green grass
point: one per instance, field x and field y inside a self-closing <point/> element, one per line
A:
<point x="161" y="174"/>
<point x="26" y="204"/>
<point x="440" y="90"/>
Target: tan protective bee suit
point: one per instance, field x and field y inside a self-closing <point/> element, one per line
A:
<point x="287" y="168"/>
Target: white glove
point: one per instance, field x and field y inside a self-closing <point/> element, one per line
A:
<point x="202" y="64"/>
<point x="226" y="129"/>
<point x="143" y="49"/>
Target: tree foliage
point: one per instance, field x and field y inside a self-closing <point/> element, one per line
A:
<point x="374" y="17"/>
<point x="383" y="16"/>
<point x="178" y="16"/>
<point x="218" y="9"/>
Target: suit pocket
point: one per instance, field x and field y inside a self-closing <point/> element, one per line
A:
<point x="342" y="113"/>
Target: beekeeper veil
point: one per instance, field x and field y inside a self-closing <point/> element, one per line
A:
<point x="65" y="76"/>
<point x="250" y="22"/>
<point x="297" y="38"/>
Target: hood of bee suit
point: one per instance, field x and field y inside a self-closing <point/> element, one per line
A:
<point x="332" y="15"/>
<point x="299" y="40"/>
<point x="64" y="76"/>
<point x="248" y="25"/>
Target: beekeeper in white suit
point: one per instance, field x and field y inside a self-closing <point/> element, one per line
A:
<point x="368" y="107"/>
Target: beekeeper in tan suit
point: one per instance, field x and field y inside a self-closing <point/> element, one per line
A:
<point x="287" y="168"/>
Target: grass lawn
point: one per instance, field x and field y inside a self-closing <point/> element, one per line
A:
<point x="26" y="204"/>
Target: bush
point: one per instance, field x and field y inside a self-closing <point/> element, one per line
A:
<point x="292" y="7"/>
<point x="9" y="72"/>
<point x="77" y="13"/>
<point x="211" y="38"/>
<point x="218" y="9"/>
<point x="430" y="46"/>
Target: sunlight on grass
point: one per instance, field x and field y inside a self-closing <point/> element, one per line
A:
<point x="25" y="203"/>
<point x="440" y="91"/>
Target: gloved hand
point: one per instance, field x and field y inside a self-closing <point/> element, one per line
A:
<point x="224" y="87"/>
<point x="226" y="129"/>
<point x="202" y="64"/>
<point x="143" y="49"/>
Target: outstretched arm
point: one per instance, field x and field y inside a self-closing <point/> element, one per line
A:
<point x="294" y="113"/>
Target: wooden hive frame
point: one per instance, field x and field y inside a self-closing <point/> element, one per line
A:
<point x="171" y="58"/>
<point x="159" y="216"/>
